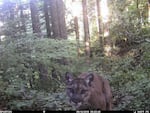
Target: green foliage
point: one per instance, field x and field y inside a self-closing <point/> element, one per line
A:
<point x="140" y="91"/>
<point x="21" y="59"/>
<point x="129" y="26"/>
<point x="130" y="79"/>
<point x="24" y="64"/>
<point x="35" y="100"/>
<point x="130" y="73"/>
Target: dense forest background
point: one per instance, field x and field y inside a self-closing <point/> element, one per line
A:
<point x="40" y="40"/>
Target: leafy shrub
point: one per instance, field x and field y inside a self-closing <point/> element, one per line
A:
<point x="23" y="58"/>
<point x="37" y="100"/>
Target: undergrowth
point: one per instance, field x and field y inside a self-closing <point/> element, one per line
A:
<point x="27" y="82"/>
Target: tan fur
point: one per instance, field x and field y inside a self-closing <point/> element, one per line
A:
<point x="99" y="94"/>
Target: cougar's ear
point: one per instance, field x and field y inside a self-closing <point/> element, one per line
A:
<point x="68" y="77"/>
<point x="89" y="78"/>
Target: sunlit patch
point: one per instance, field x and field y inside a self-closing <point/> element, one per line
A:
<point x="1" y="3"/>
<point x="104" y="11"/>
<point x="26" y="12"/>
<point x="107" y="50"/>
<point x="76" y="8"/>
<point x="25" y="1"/>
<point x="1" y="24"/>
<point x="87" y="44"/>
<point x="106" y="33"/>
<point x="2" y="38"/>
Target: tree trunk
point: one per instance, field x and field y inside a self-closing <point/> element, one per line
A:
<point x="58" y="19"/>
<point x="99" y="24"/>
<point x="8" y="6"/>
<point x="23" y="26"/>
<point x="61" y="19"/>
<point x="47" y="19"/>
<point x="54" y="19"/>
<point x="137" y="4"/>
<point x="149" y="11"/>
<point x="77" y="34"/>
<point x="35" y="17"/>
<point x="138" y="11"/>
<point x="107" y="42"/>
<point x="86" y="29"/>
<point x="12" y="13"/>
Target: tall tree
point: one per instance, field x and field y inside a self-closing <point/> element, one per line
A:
<point x="105" y="19"/>
<point x="22" y="18"/>
<point x="61" y="19"/>
<point x="54" y="18"/>
<point x="10" y="6"/>
<point x="99" y="24"/>
<point x="86" y="29"/>
<point x="35" y="17"/>
<point x="8" y="9"/>
<point x="47" y="19"/>
<point x="76" y="25"/>
<point x="58" y="19"/>
<point x="149" y="11"/>
<point x="138" y="11"/>
<point x="137" y="4"/>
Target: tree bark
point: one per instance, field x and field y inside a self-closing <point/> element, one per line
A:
<point x="76" y="28"/>
<point x="23" y="26"/>
<point x="61" y="19"/>
<point x="35" y="17"/>
<point x="99" y="24"/>
<point x="54" y="19"/>
<point x="77" y="34"/>
<point x="137" y="4"/>
<point x="86" y="29"/>
<point x="58" y="19"/>
<point x="149" y="11"/>
<point x="47" y="19"/>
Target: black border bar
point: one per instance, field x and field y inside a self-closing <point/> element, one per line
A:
<point x="84" y="111"/>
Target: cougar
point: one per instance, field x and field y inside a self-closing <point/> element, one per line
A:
<point x="88" y="91"/>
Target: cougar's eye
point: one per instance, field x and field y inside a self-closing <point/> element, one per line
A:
<point x="83" y="91"/>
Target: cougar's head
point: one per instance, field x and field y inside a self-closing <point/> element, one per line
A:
<point x="78" y="90"/>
